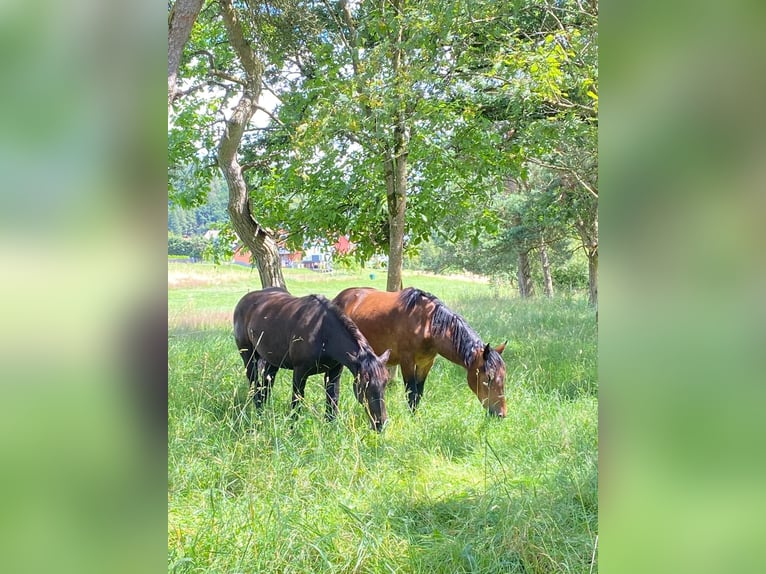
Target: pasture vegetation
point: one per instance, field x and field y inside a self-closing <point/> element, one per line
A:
<point x="448" y="490"/>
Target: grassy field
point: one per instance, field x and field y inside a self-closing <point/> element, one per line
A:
<point x="449" y="490"/>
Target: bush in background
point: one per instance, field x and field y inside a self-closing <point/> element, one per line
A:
<point x="191" y="247"/>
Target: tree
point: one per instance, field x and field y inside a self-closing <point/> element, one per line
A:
<point x="222" y="56"/>
<point x="521" y="245"/>
<point x="372" y="39"/>
<point x="181" y="18"/>
<point x="197" y="217"/>
<point x="532" y="218"/>
<point x="397" y="120"/>
<point x="572" y="164"/>
<point x="371" y="142"/>
<point x="544" y="83"/>
<point x="260" y="241"/>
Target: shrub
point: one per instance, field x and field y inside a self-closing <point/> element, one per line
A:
<point x="191" y="247"/>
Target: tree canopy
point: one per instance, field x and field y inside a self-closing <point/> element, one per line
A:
<point x="397" y="121"/>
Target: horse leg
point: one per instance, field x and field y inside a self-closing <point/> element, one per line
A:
<point x="299" y="386"/>
<point x="414" y="379"/>
<point x="411" y="384"/>
<point x="268" y="374"/>
<point x="422" y="371"/>
<point x="332" y="389"/>
<point x="250" y="359"/>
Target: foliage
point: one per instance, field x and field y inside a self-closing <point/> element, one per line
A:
<point x="192" y="247"/>
<point x="572" y="272"/>
<point x="535" y="213"/>
<point x="345" y="261"/>
<point x="496" y="259"/>
<point x="323" y="166"/>
<point x="222" y="247"/>
<point x="533" y="71"/>
<point x="486" y="92"/>
<point x="190" y="144"/>
<point x="195" y="218"/>
<point x="213" y="76"/>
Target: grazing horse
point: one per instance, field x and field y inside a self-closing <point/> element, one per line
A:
<point x="309" y="335"/>
<point x="416" y="326"/>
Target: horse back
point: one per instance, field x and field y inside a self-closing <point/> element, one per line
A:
<point x="284" y="330"/>
<point x="383" y="319"/>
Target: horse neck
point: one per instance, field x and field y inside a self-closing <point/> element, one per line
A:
<point x="339" y="347"/>
<point x="446" y="348"/>
<point x="449" y="333"/>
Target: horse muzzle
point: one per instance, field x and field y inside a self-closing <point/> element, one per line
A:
<point x="496" y="412"/>
<point x="378" y="425"/>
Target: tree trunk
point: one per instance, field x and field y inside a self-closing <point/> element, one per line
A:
<point x="591" y="249"/>
<point x="258" y="240"/>
<point x="588" y="230"/>
<point x="526" y="287"/>
<point x="523" y="273"/>
<point x="396" y="197"/>
<point x="395" y="170"/>
<point x="593" y="277"/>
<point x="180" y="22"/>
<point x="547" y="280"/>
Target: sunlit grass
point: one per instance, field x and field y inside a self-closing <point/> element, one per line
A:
<point x="448" y="490"/>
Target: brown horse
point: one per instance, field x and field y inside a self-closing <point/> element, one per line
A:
<point x="416" y="326"/>
<point x="309" y="335"/>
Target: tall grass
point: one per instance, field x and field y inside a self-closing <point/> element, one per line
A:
<point x="448" y="490"/>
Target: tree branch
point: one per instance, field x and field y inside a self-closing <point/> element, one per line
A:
<point x="189" y="91"/>
<point x="264" y="129"/>
<point x="253" y="67"/>
<point x="214" y="71"/>
<point x="271" y="90"/>
<point x="181" y="19"/>
<point x="252" y="164"/>
<point x="568" y="170"/>
<point x="339" y="24"/>
<point x="549" y="10"/>
<point x="271" y="115"/>
<point x="227" y="77"/>
<point x="352" y="42"/>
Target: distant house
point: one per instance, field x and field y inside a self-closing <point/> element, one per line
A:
<point x="241" y="255"/>
<point x="286" y="258"/>
<point x="315" y="255"/>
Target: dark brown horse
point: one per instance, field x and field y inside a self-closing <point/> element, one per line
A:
<point x="416" y="326"/>
<point x="309" y="335"/>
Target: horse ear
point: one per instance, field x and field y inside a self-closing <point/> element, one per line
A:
<point x="487" y="349"/>
<point x="384" y="356"/>
<point x="501" y="348"/>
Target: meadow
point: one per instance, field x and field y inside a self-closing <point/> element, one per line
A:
<point x="448" y="490"/>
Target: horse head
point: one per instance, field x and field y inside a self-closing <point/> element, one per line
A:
<point x="486" y="377"/>
<point x="370" y="386"/>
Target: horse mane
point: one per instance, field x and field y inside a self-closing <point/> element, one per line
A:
<point x="443" y="321"/>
